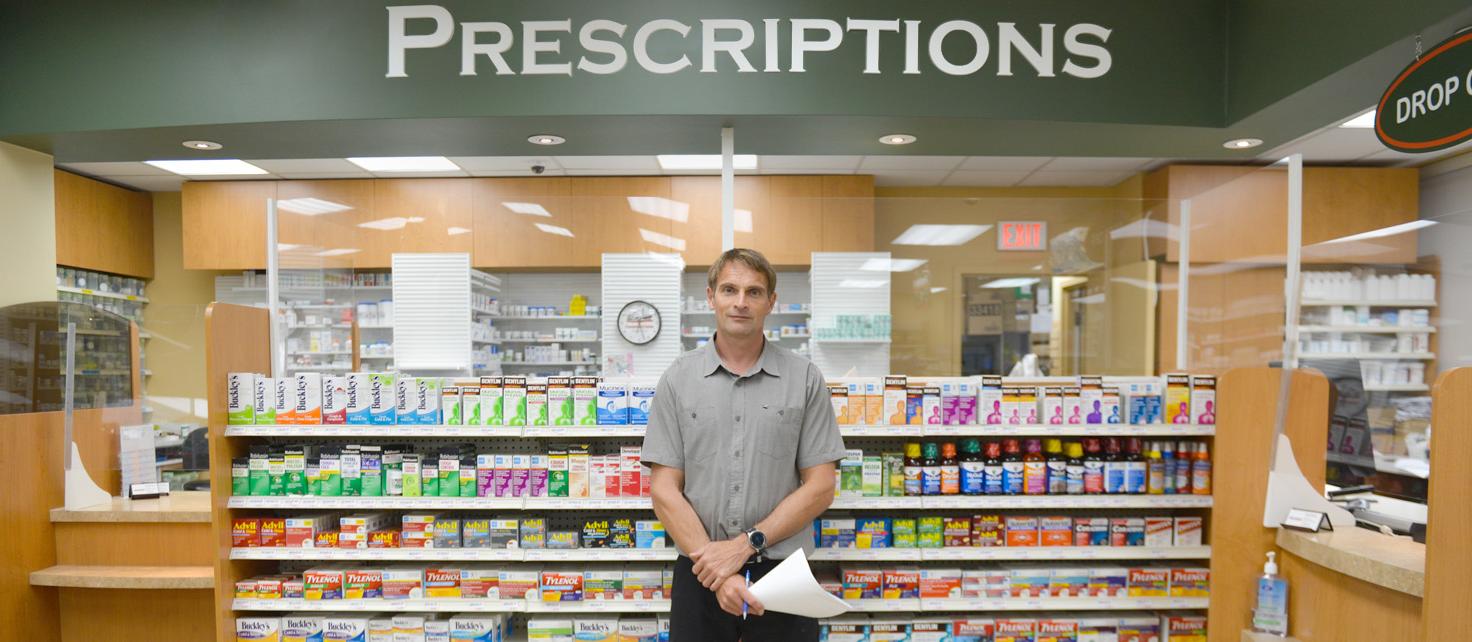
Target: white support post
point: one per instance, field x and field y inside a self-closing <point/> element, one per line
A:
<point x="728" y="188"/>
<point x="273" y="294"/>
<point x="1183" y="287"/>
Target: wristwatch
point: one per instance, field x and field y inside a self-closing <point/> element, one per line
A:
<point x="757" y="540"/>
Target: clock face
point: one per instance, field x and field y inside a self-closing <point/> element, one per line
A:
<point x="639" y="322"/>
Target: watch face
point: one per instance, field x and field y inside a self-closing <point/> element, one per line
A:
<point x="758" y="539"/>
<point x="639" y="322"/>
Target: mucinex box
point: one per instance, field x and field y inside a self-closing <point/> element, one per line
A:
<point x="334" y="399"/>
<point x="613" y="403"/>
<point x="641" y="403"/>
<point x="240" y="398"/>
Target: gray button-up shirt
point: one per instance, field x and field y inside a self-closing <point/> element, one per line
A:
<point x="742" y="440"/>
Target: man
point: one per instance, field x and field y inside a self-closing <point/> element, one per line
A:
<point x="742" y="446"/>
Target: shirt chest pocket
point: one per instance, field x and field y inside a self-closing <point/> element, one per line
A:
<point x="777" y="430"/>
<point x="703" y="436"/>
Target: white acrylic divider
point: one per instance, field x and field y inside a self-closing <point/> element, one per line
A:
<point x="841" y="285"/>
<point x="431" y="294"/>
<point x="654" y="279"/>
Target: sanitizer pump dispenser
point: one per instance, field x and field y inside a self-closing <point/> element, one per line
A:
<point x="1271" y="613"/>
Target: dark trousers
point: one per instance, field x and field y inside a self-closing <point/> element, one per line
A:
<point x="696" y="615"/>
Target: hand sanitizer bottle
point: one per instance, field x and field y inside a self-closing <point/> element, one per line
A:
<point x="1271" y="614"/>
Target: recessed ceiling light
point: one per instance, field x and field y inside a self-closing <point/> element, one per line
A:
<point x="203" y="144"/>
<point x="939" y="234"/>
<point x="405" y="164"/>
<point x="545" y="139"/>
<point x="704" y="161"/>
<point x="1242" y="143"/>
<point x="215" y="167"/>
<point x="897" y="139"/>
<point x="1362" y="121"/>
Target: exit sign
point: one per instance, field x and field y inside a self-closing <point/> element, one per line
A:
<point x="1022" y="236"/>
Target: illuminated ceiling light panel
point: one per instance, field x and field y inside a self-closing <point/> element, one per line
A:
<point x="554" y="229"/>
<point x="1382" y="232"/>
<point x="892" y="265"/>
<point x="1362" y="121"/>
<point x="863" y="283"/>
<point x="214" y="167"/>
<point x="1019" y="282"/>
<point x="531" y="209"/>
<point x="405" y="163"/>
<point x="311" y="206"/>
<point x="704" y="161"/>
<point x="940" y="234"/>
<point x="743" y="221"/>
<point x="676" y="211"/>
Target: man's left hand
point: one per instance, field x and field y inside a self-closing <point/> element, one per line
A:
<point x="720" y="560"/>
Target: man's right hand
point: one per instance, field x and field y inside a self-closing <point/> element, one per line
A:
<point x="733" y="592"/>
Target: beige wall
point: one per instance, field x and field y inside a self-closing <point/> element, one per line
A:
<point x="928" y="326"/>
<point x="28" y="214"/>
<point x="175" y="316"/>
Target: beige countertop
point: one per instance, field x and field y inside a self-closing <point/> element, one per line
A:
<point x="126" y="577"/>
<point x="1396" y="563"/>
<point x="190" y="506"/>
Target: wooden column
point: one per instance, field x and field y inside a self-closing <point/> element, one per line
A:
<point x="1248" y="398"/>
<point x="237" y="339"/>
<point x="1446" y="610"/>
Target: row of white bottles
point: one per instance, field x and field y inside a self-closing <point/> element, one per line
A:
<point x="1367" y="286"/>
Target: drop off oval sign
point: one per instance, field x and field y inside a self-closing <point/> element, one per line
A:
<point x="1428" y="106"/>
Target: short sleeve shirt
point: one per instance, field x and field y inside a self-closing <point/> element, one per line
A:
<point x="741" y="440"/>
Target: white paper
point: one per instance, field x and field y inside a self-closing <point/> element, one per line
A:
<point x="791" y="588"/>
<point x="1289" y="489"/>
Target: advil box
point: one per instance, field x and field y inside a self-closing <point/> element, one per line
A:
<point x="1184" y="627"/>
<point x="245" y="532"/>
<point x="273" y="531"/>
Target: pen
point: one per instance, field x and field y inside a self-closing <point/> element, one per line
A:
<point x="743" y="602"/>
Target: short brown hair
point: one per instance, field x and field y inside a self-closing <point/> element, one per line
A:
<point x="748" y="257"/>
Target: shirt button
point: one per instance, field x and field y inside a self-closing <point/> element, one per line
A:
<point x="736" y="488"/>
<point x="738" y="453"/>
<point x="738" y="417"/>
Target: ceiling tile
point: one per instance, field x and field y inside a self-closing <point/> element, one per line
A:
<point x="1095" y="164"/>
<point x="614" y="172"/>
<point x="1333" y="145"/>
<point x="793" y="171"/>
<point x="474" y="164"/>
<point x="964" y="178"/>
<point x="849" y="163"/>
<point x="909" y="178"/>
<point x="910" y="163"/>
<point x="1004" y="163"/>
<point x="330" y="166"/>
<point x="116" y="169"/>
<point x="150" y="183"/>
<point x="550" y="171"/>
<point x="706" y="172"/>
<point x="323" y="175"/>
<point x="453" y="174"/>
<point x="1043" y="178"/>
<point x="608" y="163"/>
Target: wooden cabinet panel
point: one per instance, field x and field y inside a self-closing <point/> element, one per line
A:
<point x="414" y="215"/>
<point x="1343" y="201"/>
<point x="792" y="229"/>
<point x="702" y="232"/>
<point x="316" y="221"/>
<point x="103" y="227"/>
<point x="848" y="214"/>
<point x="225" y="224"/>
<point x="624" y="214"/>
<point x="505" y="238"/>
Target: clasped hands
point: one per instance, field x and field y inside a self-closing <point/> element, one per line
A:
<point x="716" y="566"/>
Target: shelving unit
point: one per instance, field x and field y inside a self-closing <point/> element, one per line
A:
<point x="111" y="345"/>
<point x="793" y="289"/>
<point x="438" y="431"/>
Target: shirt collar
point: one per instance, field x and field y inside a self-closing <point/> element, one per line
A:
<point x="767" y="362"/>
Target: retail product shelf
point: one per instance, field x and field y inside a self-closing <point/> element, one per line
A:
<point x="884" y="606"/>
<point x="989" y="502"/>
<point x="375" y="356"/>
<point x="1016" y="553"/>
<point x="1405" y="356"/>
<point x="599" y="606"/>
<point x="1089" y="430"/>
<point x="875" y="502"/>
<point x="593" y="340"/>
<point x="390" y="431"/>
<point x="379" y="554"/>
<point x="1065" y="604"/>
<point x="376" y="326"/>
<point x="588" y="503"/>
<point x="486" y="342"/>
<point x="318" y="326"/>
<point x="1368" y="329"/>
<point x="319" y="353"/>
<point x="487" y="312"/>
<point x="1397" y="387"/>
<point x="315" y="367"/>
<point x="410" y="503"/>
<point x="585" y="317"/>
<point x="549" y="363"/>
<point x="382" y="605"/>
<point x="105" y="295"/>
<point x="1386" y="303"/>
<point x="583" y="431"/>
<point x="599" y="554"/>
<point x="855" y="341"/>
<point x="865" y="555"/>
<point x="317" y="306"/>
<point x="881" y="431"/>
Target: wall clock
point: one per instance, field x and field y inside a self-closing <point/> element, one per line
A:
<point x="639" y="322"/>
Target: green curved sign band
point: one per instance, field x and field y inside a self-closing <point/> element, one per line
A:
<point x="1428" y="107"/>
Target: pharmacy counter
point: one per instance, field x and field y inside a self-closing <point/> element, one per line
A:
<point x="182" y="507"/>
<point x="1396" y="563"/>
<point x="126" y="577"/>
